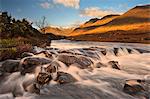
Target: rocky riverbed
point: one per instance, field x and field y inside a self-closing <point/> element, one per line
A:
<point x="77" y="73"/>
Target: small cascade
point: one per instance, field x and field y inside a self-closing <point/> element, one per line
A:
<point x="134" y="51"/>
<point x="122" y="51"/>
<point x="99" y="72"/>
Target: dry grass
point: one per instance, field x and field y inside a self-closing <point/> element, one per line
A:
<point x="99" y="22"/>
<point x="59" y="31"/>
<point x="137" y="18"/>
<point x="103" y="29"/>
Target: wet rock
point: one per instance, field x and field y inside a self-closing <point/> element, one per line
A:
<point x="43" y="78"/>
<point x="135" y="87"/>
<point x="45" y="54"/>
<point x="28" y="65"/>
<point x="32" y="89"/>
<point x="104" y="52"/>
<point x="116" y="51"/>
<point x="67" y="59"/>
<point x="91" y="54"/>
<point x="129" y="50"/>
<point x="49" y="48"/>
<point x="52" y="67"/>
<point x="84" y="62"/>
<point x="26" y="54"/>
<point x="65" y="51"/>
<point x="1" y="72"/>
<point x="99" y="65"/>
<point x="63" y="78"/>
<point x="142" y="50"/>
<point x="10" y="66"/>
<point x="114" y="64"/>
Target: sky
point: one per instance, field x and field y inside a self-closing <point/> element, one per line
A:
<point x="66" y="13"/>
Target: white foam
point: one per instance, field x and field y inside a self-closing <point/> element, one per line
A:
<point x="101" y="82"/>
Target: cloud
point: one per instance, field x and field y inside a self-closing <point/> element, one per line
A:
<point x="96" y="12"/>
<point x="68" y="3"/>
<point x="76" y="23"/>
<point x="45" y="5"/>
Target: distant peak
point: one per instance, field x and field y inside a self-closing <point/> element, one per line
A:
<point x="143" y="6"/>
<point x="92" y="20"/>
<point x="109" y="16"/>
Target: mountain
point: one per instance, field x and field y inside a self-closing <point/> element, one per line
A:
<point x="132" y="26"/>
<point x="94" y="23"/>
<point x="58" y="30"/>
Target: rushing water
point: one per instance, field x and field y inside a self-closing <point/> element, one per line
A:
<point x="99" y="83"/>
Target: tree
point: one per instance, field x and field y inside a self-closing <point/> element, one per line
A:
<point x="41" y="24"/>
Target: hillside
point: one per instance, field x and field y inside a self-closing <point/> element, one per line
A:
<point x="58" y="31"/>
<point x="98" y="22"/>
<point x="18" y="36"/>
<point x="134" y="24"/>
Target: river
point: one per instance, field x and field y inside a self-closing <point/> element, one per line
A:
<point x="99" y="83"/>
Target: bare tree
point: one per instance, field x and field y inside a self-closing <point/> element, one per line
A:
<point x="41" y="24"/>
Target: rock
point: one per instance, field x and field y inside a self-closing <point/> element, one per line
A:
<point x="114" y="64"/>
<point x="48" y="54"/>
<point x="45" y="54"/>
<point x="99" y="65"/>
<point x="43" y="78"/>
<point x="129" y="50"/>
<point x="28" y="65"/>
<point x="70" y="59"/>
<point x="32" y="89"/>
<point x="116" y="51"/>
<point x="10" y="66"/>
<point x="142" y="50"/>
<point x="52" y="67"/>
<point x="135" y="87"/>
<point x="67" y="59"/>
<point x="64" y="78"/>
<point x="104" y="52"/>
<point x="26" y="54"/>
<point x="65" y="51"/>
<point x="1" y="73"/>
<point x="84" y="62"/>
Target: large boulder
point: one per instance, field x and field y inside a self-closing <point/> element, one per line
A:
<point x="64" y="78"/>
<point x="67" y="59"/>
<point x="135" y="87"/>
<point x="84" y="62"/>
<point x="10" y="66"/>
<point x="28" y="65"/>
<point x="114" y="64"/>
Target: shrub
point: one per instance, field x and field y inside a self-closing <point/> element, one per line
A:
<point x="7" y="53"/>
<point x="23" y="48"/>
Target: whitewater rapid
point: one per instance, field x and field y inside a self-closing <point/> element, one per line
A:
<point x="96" y="83"/>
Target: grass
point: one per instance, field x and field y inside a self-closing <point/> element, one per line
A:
<point x="7" y="43"/>
<point x="12" y="48"/>
<point x="141" y="27"/>
<point x="100" y="22"/>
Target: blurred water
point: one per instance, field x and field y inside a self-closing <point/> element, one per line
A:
<point x="100" y="83"/>
<point x="67" y="44"/>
